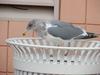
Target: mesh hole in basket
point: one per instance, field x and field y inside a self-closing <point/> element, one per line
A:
<point x="65" y="61"/>
<point x="58" y="61"/>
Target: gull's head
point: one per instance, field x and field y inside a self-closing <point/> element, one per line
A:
<point x="36" y="25"/>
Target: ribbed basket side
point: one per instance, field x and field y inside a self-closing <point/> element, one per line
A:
<point x="36" y="54"/>
<point x="43" y="55"/>
<point x="56" y="55"/>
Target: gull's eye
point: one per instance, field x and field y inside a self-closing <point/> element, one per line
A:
<point x="30" y="25"/>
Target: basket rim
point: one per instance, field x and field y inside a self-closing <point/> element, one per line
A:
<point x="49" y="47"/>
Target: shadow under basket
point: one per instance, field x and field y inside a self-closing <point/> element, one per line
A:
<point x="36" y="56"/>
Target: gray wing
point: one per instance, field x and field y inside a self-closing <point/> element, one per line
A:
<point x="60" y="23"/>
<point x="64" y="30"/>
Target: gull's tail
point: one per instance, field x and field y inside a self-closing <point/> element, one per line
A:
<point x="89" y="36"/>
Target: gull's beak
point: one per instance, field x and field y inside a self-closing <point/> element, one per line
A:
<point x="28" y="28"/>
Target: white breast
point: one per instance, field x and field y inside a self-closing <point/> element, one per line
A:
<point x="55" y="40"/>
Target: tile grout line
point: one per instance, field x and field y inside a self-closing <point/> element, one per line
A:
<point x="7" y="47"/>
<point x="85" y="11"/>
<point x="59" y="9"/>
<point x="2" y="72"/>
<point x="86" y="14"/>
<point x="59" y="17"/>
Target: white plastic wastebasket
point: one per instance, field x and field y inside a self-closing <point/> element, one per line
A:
<point x="34" y="56"/>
